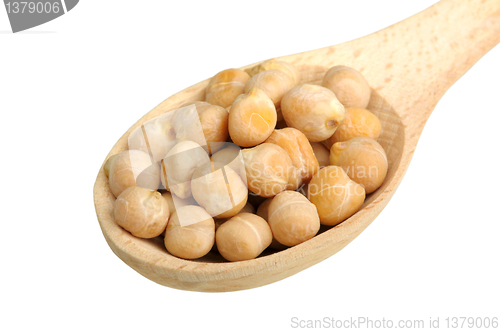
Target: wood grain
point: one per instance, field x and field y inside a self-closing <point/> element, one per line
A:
<point x="409" y="66"/>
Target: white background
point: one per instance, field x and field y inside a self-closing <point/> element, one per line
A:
<point x="70" y="88"/>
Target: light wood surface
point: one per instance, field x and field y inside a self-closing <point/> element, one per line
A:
<point x="409" y="66"/>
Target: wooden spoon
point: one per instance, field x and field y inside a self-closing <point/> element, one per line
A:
<point x="409" y="66"/>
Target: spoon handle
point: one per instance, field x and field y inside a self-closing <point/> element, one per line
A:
<point x="412" y="63"/>
<point x="435" y="48"/>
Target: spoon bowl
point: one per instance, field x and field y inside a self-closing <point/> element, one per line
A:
<point x="409" y="66"/>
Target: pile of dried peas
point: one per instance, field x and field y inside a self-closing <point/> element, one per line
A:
<point x="262" y="162"/>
